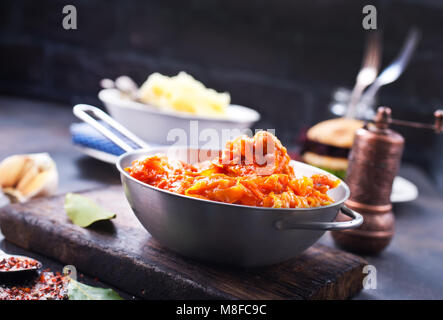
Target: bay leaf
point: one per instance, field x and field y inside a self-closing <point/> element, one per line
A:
<point x="83" y="211"/>
<point x="80" y="291"/>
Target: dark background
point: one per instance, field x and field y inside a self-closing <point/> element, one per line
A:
<point x="283" y="58"/>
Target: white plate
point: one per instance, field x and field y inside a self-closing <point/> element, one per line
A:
<point x="97" y="154"/>
<point x="403" y="190"/>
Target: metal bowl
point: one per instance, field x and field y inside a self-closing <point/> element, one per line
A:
<point x="214" y="231"/>
<point x="228" y="233"/>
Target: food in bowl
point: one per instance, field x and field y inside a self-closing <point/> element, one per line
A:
<point x="249" y="171"/>
<point x="183" y="93"/>
<point x="328" y="144"/>
<point x="139" y="116"/>
<point x="167" y="112"/>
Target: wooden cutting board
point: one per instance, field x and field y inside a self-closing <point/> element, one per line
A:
<point x="122" y="253"/>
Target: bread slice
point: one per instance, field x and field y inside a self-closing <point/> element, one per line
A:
<point x="335" y="132"/>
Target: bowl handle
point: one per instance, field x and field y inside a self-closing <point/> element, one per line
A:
<point x="357" y="220"/>
<point x="91" y="115"/>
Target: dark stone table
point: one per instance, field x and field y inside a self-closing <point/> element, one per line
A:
<point x="410" y="268"/>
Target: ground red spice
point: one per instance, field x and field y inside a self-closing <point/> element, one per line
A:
<point x="48" y="286"/>
<point x="15" y="264"/>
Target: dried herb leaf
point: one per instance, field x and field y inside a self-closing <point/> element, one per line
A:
<point x="80" y="291"/>
<point x="83" y="211"/>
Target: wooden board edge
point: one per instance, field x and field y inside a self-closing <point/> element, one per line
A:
<point x="174" y="287"/>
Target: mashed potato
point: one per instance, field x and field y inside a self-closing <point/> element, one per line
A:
<point x="184" y="94"/>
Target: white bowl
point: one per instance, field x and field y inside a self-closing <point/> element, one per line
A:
<point x="153" y="124"/>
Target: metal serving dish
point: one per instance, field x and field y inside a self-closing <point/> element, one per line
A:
<point x="219" y="232"/>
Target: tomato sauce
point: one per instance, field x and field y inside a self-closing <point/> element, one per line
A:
<point x="250" y="171"/>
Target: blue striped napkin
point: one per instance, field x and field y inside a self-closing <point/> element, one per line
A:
<point x="84" y="135"/>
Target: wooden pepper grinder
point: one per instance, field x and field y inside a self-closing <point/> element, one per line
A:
<point x="373" y="164"/>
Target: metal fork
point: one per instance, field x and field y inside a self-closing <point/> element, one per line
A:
<point x="367" y="73"/>
<point x="396" y="68"/>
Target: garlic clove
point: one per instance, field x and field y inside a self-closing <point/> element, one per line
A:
<point x="38" y="176"/>
<point x="44" y="184"/>
<point x="36" y="185"/>
<point x="11" y="170"/>
<point x="29" y="173"/>
<point x="14" y="195"/>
